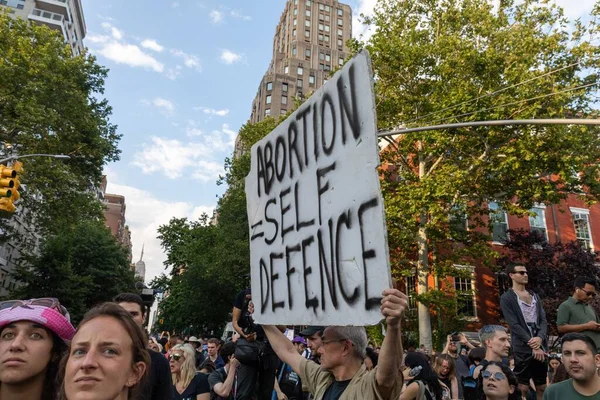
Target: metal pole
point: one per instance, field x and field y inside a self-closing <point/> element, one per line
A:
<point x="15" y="157"/>
<point x="502" y="122"/>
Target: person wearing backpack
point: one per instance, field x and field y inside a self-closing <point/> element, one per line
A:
<point x="424" y="383"/>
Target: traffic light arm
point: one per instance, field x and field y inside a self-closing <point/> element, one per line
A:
<point x="16" y="157"/>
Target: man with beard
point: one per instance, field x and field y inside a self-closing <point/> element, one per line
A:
<point x="581" y="359"/>
<point x="314" y="338"/>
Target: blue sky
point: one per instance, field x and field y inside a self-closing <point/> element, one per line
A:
<point x="182" y="77"/>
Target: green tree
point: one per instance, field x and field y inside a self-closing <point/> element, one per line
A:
<point x="447" y="61"/>
<point x="209" y="261"/>
<point x="81" y="266"/>
<point x="51" y="102"/>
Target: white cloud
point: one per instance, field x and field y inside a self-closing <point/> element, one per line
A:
<point x="176" y="159"/>
<point x="239" y="15"/>
<point x="151" y="44"/>
<point x="575" y="9"/>
<point x="216" y="16"/>
<point x="365" y="7"/>
<point x="175" y="4"/>
<point x="173" y="73"/>
<point x="115" y="49"/>
<point x="189" y="60"/>
<point x="213" y="111"/>
<point x="229" y="57"/>
<point x="144" y="220"/>
<point x="165" y="106"/>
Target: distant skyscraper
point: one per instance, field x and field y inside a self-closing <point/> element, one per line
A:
<point x="65" y="16"/>
<point x="310" y="40"/>
<point x="140" y="267"/>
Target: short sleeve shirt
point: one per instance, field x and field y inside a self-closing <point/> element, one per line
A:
<point x="565" y="390"/>
<point x="363" y="386"/>
<point x="573" y="312"/>
<point x="198" y="385"/>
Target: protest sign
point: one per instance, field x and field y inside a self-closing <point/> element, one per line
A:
<point x="318" y="240"/>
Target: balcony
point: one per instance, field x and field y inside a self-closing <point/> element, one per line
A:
<point x="55" y="6"/>
<point x="52" y="20"/>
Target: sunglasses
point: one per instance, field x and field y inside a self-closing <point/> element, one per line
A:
<point x="499" y="376"/>
<point x="589" y="294"/>
<point x="175" y="357"/>
<point x="48" y="302"/>
<point x="520" y="272"/>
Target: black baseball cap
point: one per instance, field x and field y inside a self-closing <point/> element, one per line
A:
<point x="311" y="330"/>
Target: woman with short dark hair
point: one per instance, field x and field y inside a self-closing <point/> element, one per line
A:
<point x="499" y="382"/>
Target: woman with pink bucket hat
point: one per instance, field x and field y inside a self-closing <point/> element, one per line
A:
<point x="34" y="335"/>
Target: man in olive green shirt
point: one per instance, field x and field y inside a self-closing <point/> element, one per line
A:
<point x="576" y="315"/>
<point x="342" y="373"/>
<point x="581" y="359"/>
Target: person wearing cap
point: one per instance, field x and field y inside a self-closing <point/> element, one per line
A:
<point x="159" y="384"/>
<point x="342" y="370"/>
<point x="197" y="345"/>
<point x="34" y="335"/>
<point x="300" y="344"/>
<point x="314" y="335"/>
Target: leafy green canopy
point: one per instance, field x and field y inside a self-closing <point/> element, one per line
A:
<point x="82" y="266"/>
<point x="50" y="102"/>
<point x="444" y="61"/>
<point x="210" y="260"/>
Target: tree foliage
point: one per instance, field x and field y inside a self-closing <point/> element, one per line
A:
<point x="51" y="102"/>
<point x="552" y="268"/>
<point x="81" y="266"/>
<point x="447" y="61"/>
<point x="209" y="261"/>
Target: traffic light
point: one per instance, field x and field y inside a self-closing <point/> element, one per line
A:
<point x="9" y="185"/>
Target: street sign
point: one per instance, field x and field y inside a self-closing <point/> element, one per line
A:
<point x="318" y="241"/>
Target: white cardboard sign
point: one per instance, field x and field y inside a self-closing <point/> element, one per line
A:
<point x="318" y="243"/>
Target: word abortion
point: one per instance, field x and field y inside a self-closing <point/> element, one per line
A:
<point x="318" y="241"/>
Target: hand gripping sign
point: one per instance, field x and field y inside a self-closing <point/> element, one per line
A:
<point x="318" y="246"/>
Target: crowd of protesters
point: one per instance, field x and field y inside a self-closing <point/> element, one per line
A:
<point x="109" y="356"/>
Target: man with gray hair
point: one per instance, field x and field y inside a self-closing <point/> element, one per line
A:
<point x="343" y="350"/>
<point x="495" y="340"/>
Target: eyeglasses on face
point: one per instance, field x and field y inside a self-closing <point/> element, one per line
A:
<point x="497" y="375"/>
<point x="588" y="294"/>
<point x="521" y="272"/>
<point x="175" y="357"/>
<point x="328" y="341"/>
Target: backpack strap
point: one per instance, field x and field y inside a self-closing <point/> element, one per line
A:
<point x="421" y="392"/>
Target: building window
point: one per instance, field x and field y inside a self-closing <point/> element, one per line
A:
<point x="321" y="37"/>
<point x="321" y="27"/>
<point x="300" y="83"/>
<point x="295" y="2"/>
<point x="327" y="38"/>
<point x="294" y="32"/>
<point x="499" y="222"/>
<point x="340" y="32"/>
<point x="307" y="23"/>
<point x="307" y="52"/>
<point x="327" y="9"/>
<point x="327" y="28"/>
<point x="307" y="3"/>
<point x="268" y="99"/>
<point x="321" y="17"/>
<point x="307" y="33"/>
<point x="294" y="50"/>
<point x="321" y="7"/>
<point x="295" y="11"/>
<point x="311" y="79"/>
<point x="295" y="22"/>
<point x="327" y="18"/>
<point x="286" y="70"/>
<point x="340" y="43"/>
<point x="581" y="221"/>
<point x="284" y="87"/>
<point x="283" y="112"/>
<point x="341" y="61"/>
<point x="327" y="67"/>
<point x="327" y="57"/>
<point x="321" y="67"/>
<point x="300" y="70"/>
<point x="457" y="220"/>
<point x="322" y="56"/>
<point x="267" y="112"/>
<point x="283" y="99"/>
<point x="269" y="86"/>
<point x="537" y="223"/>
<point x="340" y="22"/>
<point x="340" y="12"/>
<point x="465" y="295"/>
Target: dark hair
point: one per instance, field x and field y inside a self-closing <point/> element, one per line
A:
<point x="581" y="281"/>
<point x="427" y="375"/>
<point x="510" y="376"/>
<point x="510" y="268"/>
<point x="571" y="337"/>
<point x="373" y="356"/>
<point x="560" y="374"/>
<point x="131" y="298"/>
<point x="208" y="365"/>
<point x="227" y="350"/>
<point x="476" y="354"/>
<point x="138" y="345"/>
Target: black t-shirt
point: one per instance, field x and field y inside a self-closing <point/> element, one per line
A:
<point x="219" y="376"/>
<point x="336" y="389"/>
<point x="198" y="385"/>
<point x="241" y="302"/>
<point x="158" y="384"/>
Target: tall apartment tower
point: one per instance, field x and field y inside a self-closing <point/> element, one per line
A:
<point x="65" y="16"/>
<point x="310" y="41"/>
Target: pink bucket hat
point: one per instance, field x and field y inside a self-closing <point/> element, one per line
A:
<point x="49" y="317"/>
